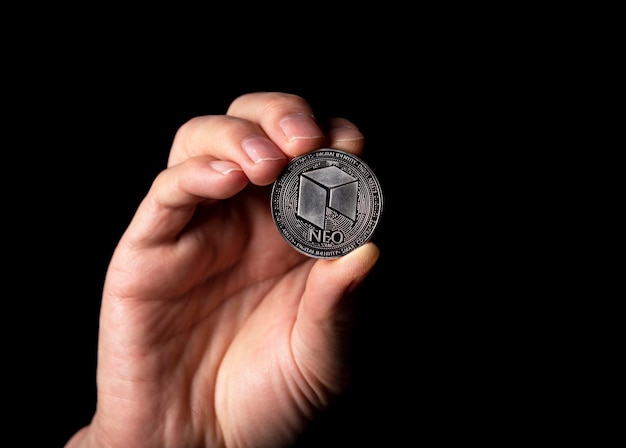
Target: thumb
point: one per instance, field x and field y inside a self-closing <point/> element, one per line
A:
<point x="330" y="280"/>
<point x="326" y="313"/>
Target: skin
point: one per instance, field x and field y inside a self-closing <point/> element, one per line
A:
<point x="214" y="332"/>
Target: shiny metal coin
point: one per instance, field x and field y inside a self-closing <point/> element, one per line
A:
<point x="326" y="203"/>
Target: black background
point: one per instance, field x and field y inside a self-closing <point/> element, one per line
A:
<point x="443" y="335"/>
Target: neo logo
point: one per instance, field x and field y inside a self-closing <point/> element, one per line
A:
<point x="326" y="236"/>
<point x="323" y="188"/>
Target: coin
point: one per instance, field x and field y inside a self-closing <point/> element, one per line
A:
<point x="326" y="203"/>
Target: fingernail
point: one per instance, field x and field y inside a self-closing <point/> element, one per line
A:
<point x="224" y="167"/>
<point x="345" y="134"/>
<point x="260" y="149"/>
<point x="300" y="126"/>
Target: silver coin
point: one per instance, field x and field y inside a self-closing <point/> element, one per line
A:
<point x="326" y="203"/>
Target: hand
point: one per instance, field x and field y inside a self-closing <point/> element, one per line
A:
<point x="213" y="330"/>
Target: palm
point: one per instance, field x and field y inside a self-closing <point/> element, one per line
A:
<point x="227" y="327"/>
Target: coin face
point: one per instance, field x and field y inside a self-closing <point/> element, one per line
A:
<point x="326" y="203"/>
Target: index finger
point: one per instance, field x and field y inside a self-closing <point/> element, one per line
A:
<point x="287" y="120"/>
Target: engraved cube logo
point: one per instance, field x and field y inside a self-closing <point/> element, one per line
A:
<point x="326" y="187"/>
